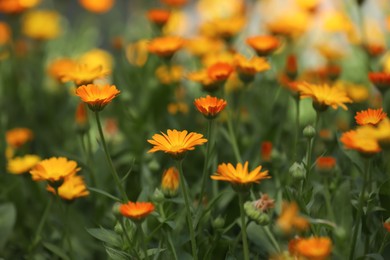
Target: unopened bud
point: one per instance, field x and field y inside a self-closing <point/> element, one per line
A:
<point x="309" y="132"/>
<point x="255" y="214"/>
<point x="158" y="196"/>
<point x="218" y="223"/>
<point x="298" y="171"/>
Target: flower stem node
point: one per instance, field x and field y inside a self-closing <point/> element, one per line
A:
<point x="218" y="223"/>
<point x="298" y="171"/>
<point x="255" y="214"/>
<point x="309" y="132"/>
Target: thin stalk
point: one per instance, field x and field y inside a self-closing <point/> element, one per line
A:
<point x="384" y="241"/>
<point x="113" y="171"/>
<point x="125" y="231"/>
<point x="142" y="238"/>
<point x="243" y="226"/>
<point x="328" y="202"/>
<point x="271" y="237"/>
<point x="295" y="155"/>
<point x="233" y="140"/>
<point x="41" y="224"/>
<point x="209" y="147"/>
<point x="66" y="231"/>
<point x="168" y="233"/>
<point x="87" y="154"/>
<point x="360" y="209"/>
<point x="184" y="192"/>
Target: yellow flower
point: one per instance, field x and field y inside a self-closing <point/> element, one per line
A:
<point x="137" y="53"/>
<point x="290" y="24"/>
<point x="382" y="133"/>
<point x="97" y="57"/>
<point x="324" y="96"/>
<point x="177" y="107"/>
<point x="41" y="25"/>
<point x="97" y="97"/>
<point x="211" y="58"/>
<point x="83" y="74"/>
<point x="224" y="28"/>
<point x="362" y="140"/>
<point x="263" y="45"/>
<point x="209" y="106"/>
<point x="170" y="182"/>
<point x="202" y="46"/>
<point x="169" y="75"/>
<point x="100" y="6"/>
<point x="176" y="143"/>
<point x="220" y="72"/>
<point x="17" y="137"/>
<point x="239" y="177"/>
<point x="309" y="5"/>
<point x="370" y="116"/>
<point x="136" y="211"/>
<point x="314" y="248"/>
<point x="247" y="68"/>
<point x="158" y="16"/>
<point x="165" y="46"/>
<point x="54" y="169"/>
<point x="16" y="6"/>
<point x="335" y="21"/>
<point x="289" y="219"/>
<point x="19" y="165"/>
<point x="72" y="188"/>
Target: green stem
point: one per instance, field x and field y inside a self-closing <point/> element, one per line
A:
<point x="328" y="201"/>
<point x="66" y="228"/>
<point x="168" y="232"/>
<point x="209" y="146"/>
<point x="233" y="140"/>
<point x="359" y="210"/>
<point x="142" y="238"/>
<point x="384" y="241"/>
<point x="188" y="210"/>
<point x="113" y="171"/>
<point x="271" y="237"/>
<point x="87" y="155"/>
<point x="121" y="222"/>
<point x="41" y="223"/>
<point x="243" y="226"/>
<point x="296" y="128"/>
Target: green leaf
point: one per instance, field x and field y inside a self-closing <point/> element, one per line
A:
<point x="384" y="196"/>
<point x="116" y="254"/>
<point x="105" y="235"/>
<point x="371" y="256"/>
<point x="56" y="250"/>
<point x="7" y="222"/>
<point x="102" y="192"/>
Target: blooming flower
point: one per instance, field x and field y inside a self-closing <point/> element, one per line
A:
<point x="136" y="211"/>
<point x="223" y="28"/>
<point x="324" y="96"/>
<point x="209" y="106"/>
<point x="16" y="6"/>
<point x="325" y="163"/>
<point x="263" y="45"/>
<point x="17" y="137"/>
<point x="59" y="67"/>
<point x="289" y="218"/>
<point x="203" y="45"/>
<point x="169" y="75"/>
<point x="19" y="165"/>
<point x="266" y="151"/>
<point x="5" y="33"/>
<point x="84" y="74"/>
<point x="72" y="188"/>
<point x="158" y="16"/>
<point x="170" y="182"/>
<point x="247" y="68"/>
<point x="174" y="3"/>
<point x="219" y="72"/>
<point x="370" y="116"/>
<point x="314" y="248"/>
<point x="97" y="97"/>
<point x="54" y="169"/>
<point x="204" y="79"/>
<point x="176" y="143"/>
<point x="381" y="80"/>
<point x="101" y="6"/>
<point x="239" y="177"/>
<point x="290" y="24"/>
<point x="165" y="47"/>
<point x="361" y="140"/>
<point x="41" y="25"/>
<point x="97" y="57"/>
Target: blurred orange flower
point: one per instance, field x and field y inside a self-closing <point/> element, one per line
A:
<point x="204" y="79"/>
<point x="19" y="165"/>
<point x="16" y="6"/>
<point x="137" y="53"/>
<point x="266" y="151"/>
<point x="370" y="116"/>
<point x="203" y="45"/>
<point x="17" y="137"/>
<point x="314" y="248"/>
<point x="59" y="67"/>
<point x="386" y="225"/>
<point x="224" y="28"/>
<point x="136" y="210"/>
<point x="361" y="141"/>
<point x="83" y="74"/>
<point x="291" y="24"/>
<point x="381" y="80"/>
<point x="174" y="3"/>
<point x="158" y="16"/>
<point x="176" y="143"/>
<point x="247" y="68"/>
<point x="5" y="33"/>
<point x="170" y="182"/>
<point x="220" y="72"/>
<point x="263" y="45"/>
<point x="54" y="169"/>
<point x="97" y="97"/>
<point x="100" y="6"/>
<point x="81" y="115"/>
<point x="72" y="188"/>
<point x="169" y="74"/>
<point x="209" y="106"/>
<point x="289" y="218"/>
<point x="41" y="25"/>
<point x="165" y="47"/>
<point x="326" y="163"/>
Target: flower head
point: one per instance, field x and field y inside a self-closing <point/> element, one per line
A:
<point x="97" y="97"/>
<point x="266" y="151"/>
<point x="83" y="74"/>
<point x="72" y="188"/>
<point x="220" y="72"/>
<point x="101" y="6"/>
<point x="247" y="68"/>
<point x="314" y="248"/>
<point x="209" y="106"/>
<point x="170" y="182"/>
<point x="362" y="140"/>
<point x="16" y="6"/>
<point x="239" y="177"/>
<point x="263" y="45"/>
<point x="17" y="137"/>
<point x="381" y="80"/>
<point x="19" y="165"/>
<point x="5" y="33"/>
<point x="165" y="47"/>
<point x="54" y="169"/>
<point x="370" y="116"/>
<point x="158" y="16"/>
<point x="169" y="74"/>
<point x="386" y="225"/>
<point x="204" y="79"/>
<point x="204" y="45"/>
<point x="41" y="25"/>
<point x="136" y="211"/>
<point x="291" y="24"/>
<point x="176" y="143"/>
<point x="324" y="96"/>
<point x="326" y="163"/>
<point x="174" y="3"/>
<point x="59" y="67"/>
<point x="289" y="219"/>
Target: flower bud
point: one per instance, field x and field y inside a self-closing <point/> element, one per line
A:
<point x="218" y="223"/>
<point x="170" y="182"/>
<point x="298" y="171"/>
<point x="118" y="228"/>
<point x="158" y="196"/>
<point x="340" y="232"/>
<point x="255" y="214"/>
<point x="309" y="132"/>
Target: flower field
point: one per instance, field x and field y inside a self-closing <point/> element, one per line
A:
<point x="195" y="129"/>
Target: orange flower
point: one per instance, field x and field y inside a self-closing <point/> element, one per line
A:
<point x="381" y="80"/>
<point x="386" y="225"/>
<point x="289" y="218"/>
<point x="361" y="141"/>
<point x="176" y="143"/>
<point x="290" y="24"/>
<point x="165" y="47"/>
<point x="203" y="45"/>
<point x="370" y="116"/>
<point x="209" y="106"/>
<point x="72" y="188"/>
<point x="60" y="67"/>
<point x="17" y="137"/>
<point x="97" y="97"/>
<point x="247" y="68"/>
<point x="16" y="6"/>
<point x="170" y="182"/>
<point x="263" y="45"/>
<point x="219" y="72"/>
<point x="266" y="150"/>
<point x="158" y="16"/>
<point x="5" y="33"/>
<point x="19" y="165"/>
<point x="174" y="3"/>
<point x="136" y="211"/>
<point x="54" y="169"/>
<point x="81" y="117"/>
<point x="375" y="49"/>
<point x="98" y="7"/>
<point x="291" y="68"/>
<point x="204" y="79"/>
<point x="239" y="177"/>
<point x="324" y="96"/>
<point x="169" y="74"/>
<point x="83" y="74"/>
<point x="326" y="163"/>
<point x="314" y="248"/>
<point x="225" y="28"/>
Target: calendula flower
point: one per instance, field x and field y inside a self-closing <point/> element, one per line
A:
<point x="54" y="169"/>
<point x="290" y="24"/>
<point x="386" y="225"/>
<point x="97" y="58"/>
<point x="16" y="6"/>
<point x="247" y="68"/>
<point x="165" y="47"/>
<point x="136" y="211"/>
<point x="83" y="74"/>
<point x="220" y="72"/>
<point x="169" y="74"/>
<point x="170" y="182"/>
<point x="137" y="53"/>
<point x="266" y="150"/>
<point x="204" y="79"/>
<point x="381" y="132"/>
<point x="202" y="46"/>
<point x="97" y="97"/>
<point x="325" y="163"/>
<point x="381" y="80"/>
<point x="289" y="219"/>
<point x="17" y="137"/>
<point x="308" y="5"/>
<point x="239" y="177"/>
<point x="225" y="28"/>
<point x="314" y="248"/>
<point x="361" y="140"/>
<point x="370" y="116"/>
<point x="374" y="49"/>
<point x="324" y="96"/>
<point x="336" y="21"/>
<point x="19" y="165"/>
<point x="209" y="106"/>
<point x="263" y="45"/>
<point x="219" y="57"/>
<point x="5" y="33"/>
<point x="41" y="25"/>
<point x="177" y="107"/>
<point x="101" y="6"/>
<point x="60" y="67"/>
<point x="174" y="3"/>
<point x="158" y="17"/>
<point x="72" y="188"/>
<point x="176" y="143"/>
